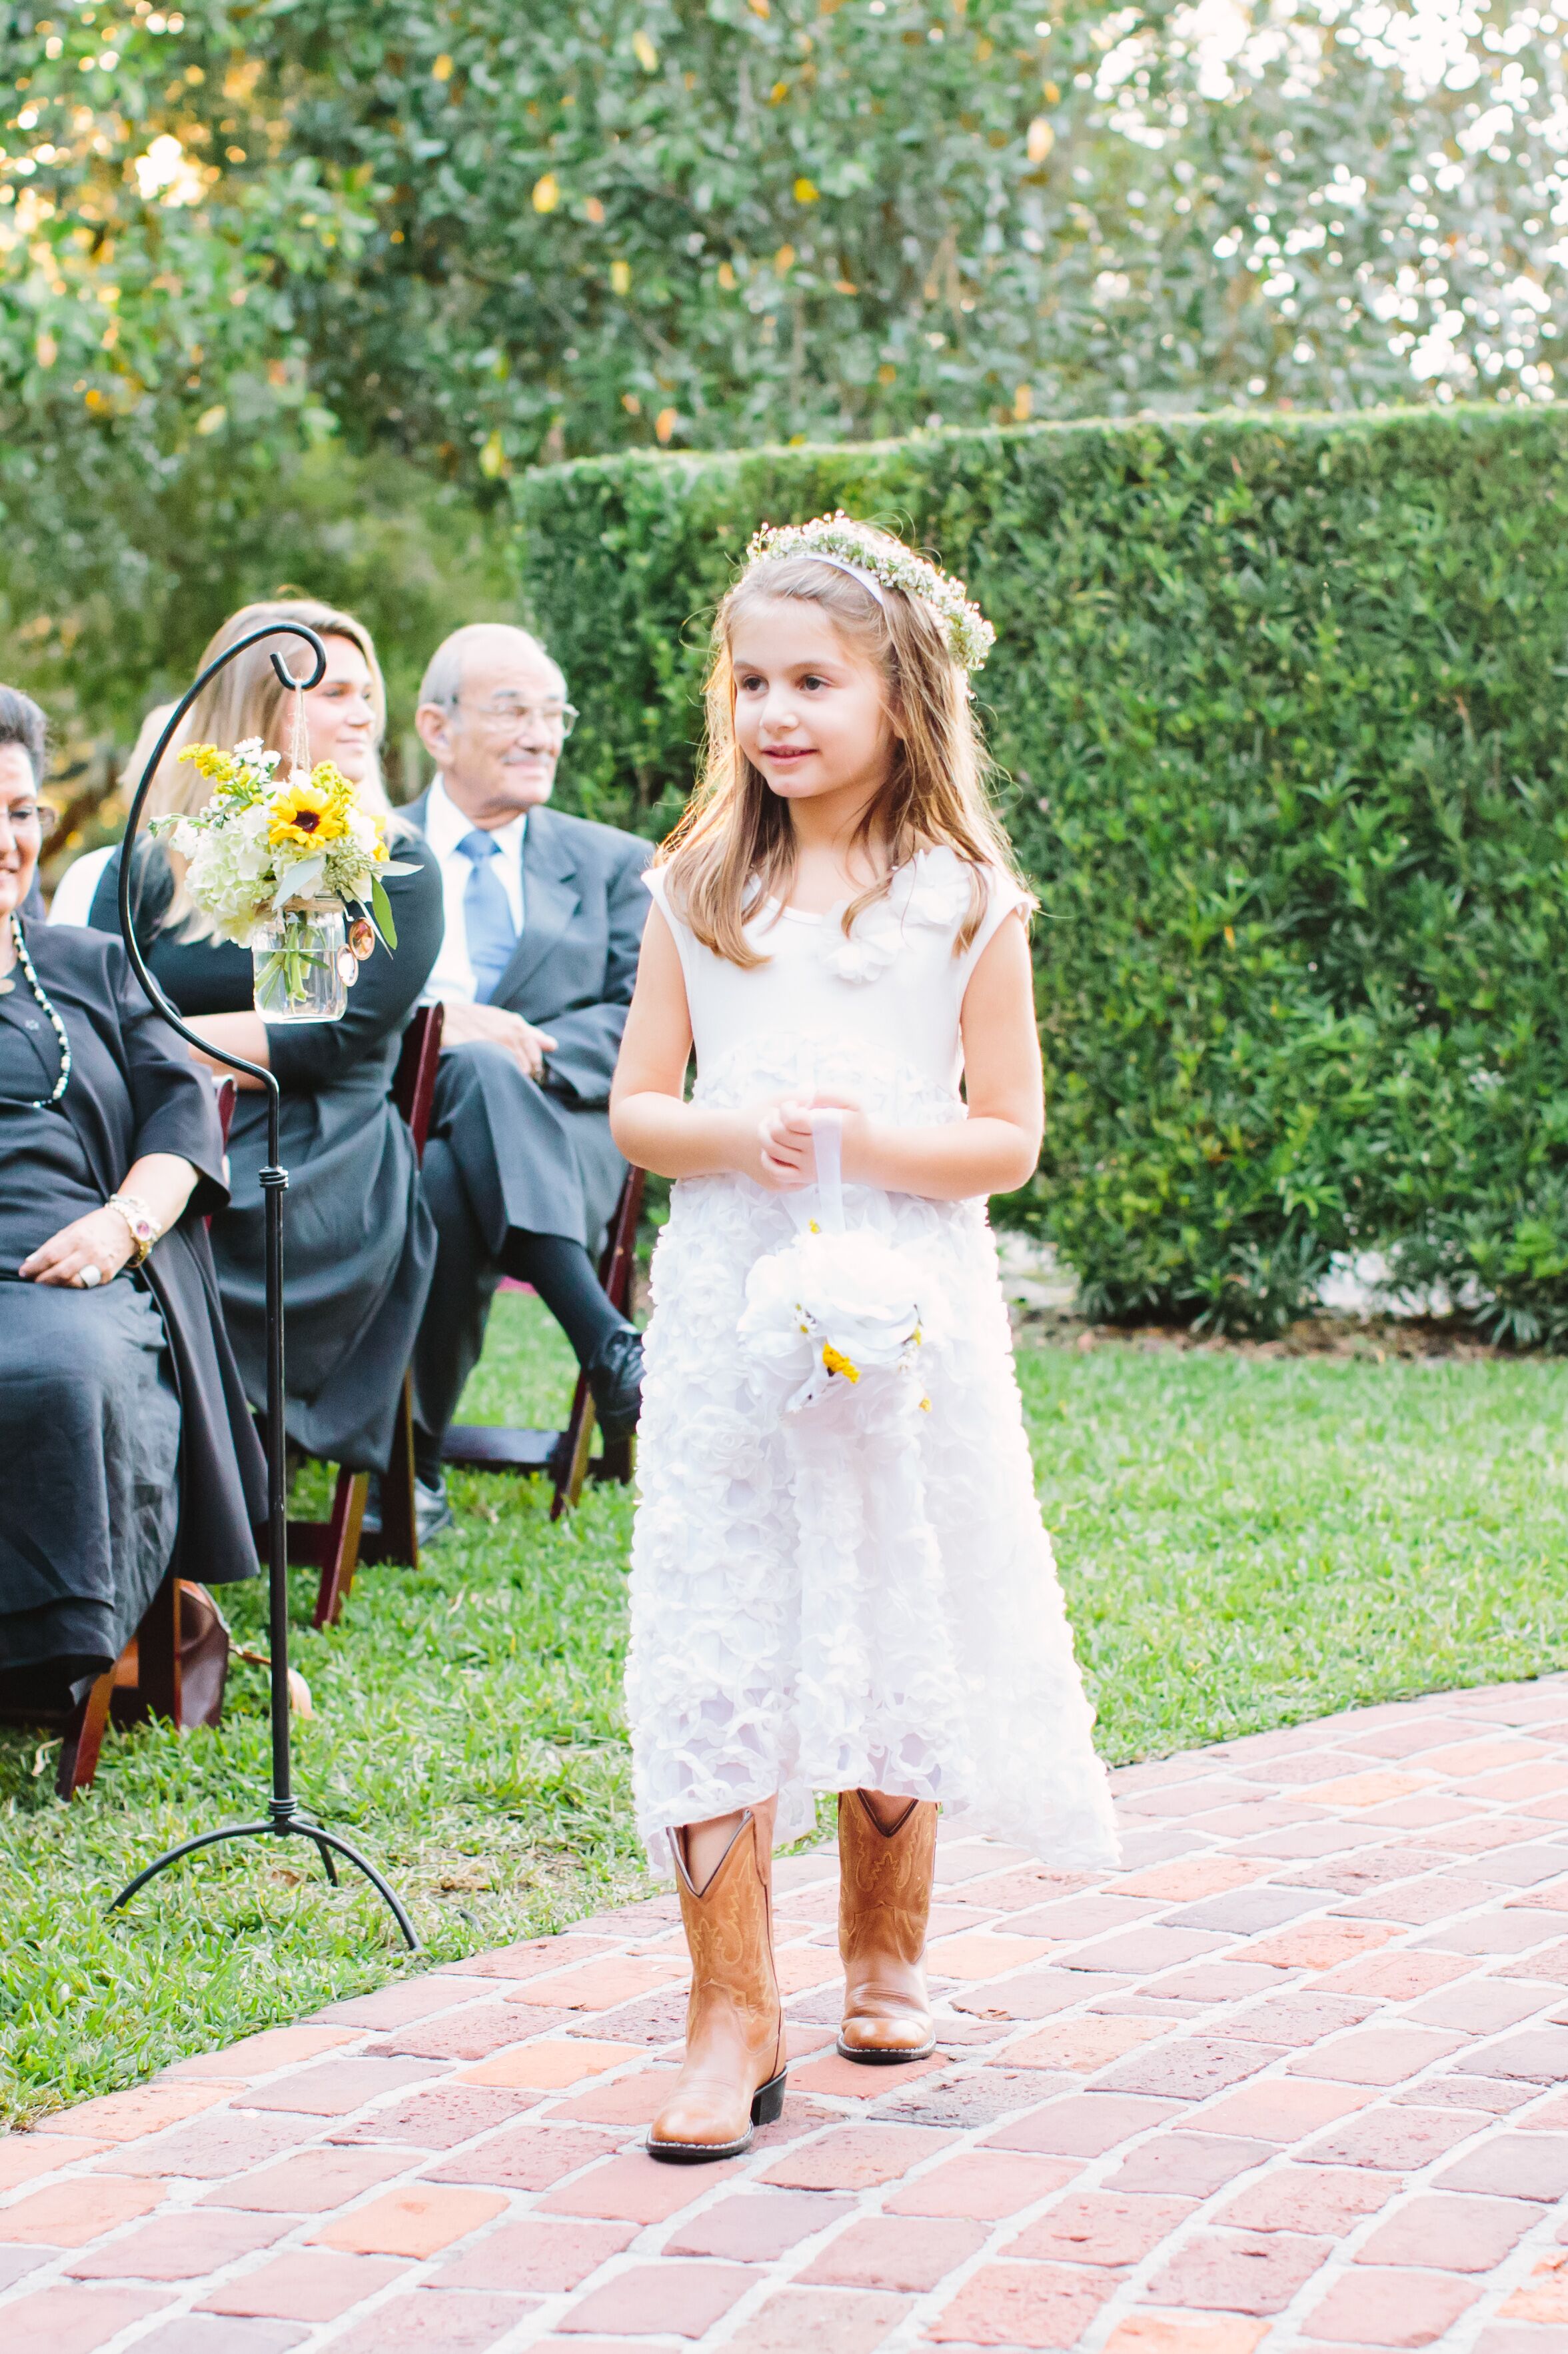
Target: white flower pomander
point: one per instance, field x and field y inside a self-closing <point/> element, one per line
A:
<point x="828" y="1310"/>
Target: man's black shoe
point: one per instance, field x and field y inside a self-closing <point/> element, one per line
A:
<point x="615" y="1377"/>
<point x="433" y="1514"/>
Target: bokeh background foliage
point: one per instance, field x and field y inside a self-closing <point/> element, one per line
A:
<point x="1281" y="708"/>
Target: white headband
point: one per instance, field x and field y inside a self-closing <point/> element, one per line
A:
<point x="856" y="572"/>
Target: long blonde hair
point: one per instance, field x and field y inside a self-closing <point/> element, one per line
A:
<point x="248" y="699"/>
<point x="735" y="840"/>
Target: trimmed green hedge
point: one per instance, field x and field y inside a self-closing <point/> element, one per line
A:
<point x="1282" y="703"/>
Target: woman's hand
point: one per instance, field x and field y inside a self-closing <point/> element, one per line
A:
<point x="102" y="1239"/>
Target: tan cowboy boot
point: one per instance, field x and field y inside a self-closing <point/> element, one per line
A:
<point x="884" y="1901"/>
<point x="733" y="2074"/>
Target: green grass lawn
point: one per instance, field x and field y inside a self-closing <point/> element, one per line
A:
<point x="1245" y="1543"/>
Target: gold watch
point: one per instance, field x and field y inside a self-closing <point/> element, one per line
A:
<point x="144" y="1227"/>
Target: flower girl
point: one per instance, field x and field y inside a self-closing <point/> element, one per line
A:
<point x="839" y="1579"/>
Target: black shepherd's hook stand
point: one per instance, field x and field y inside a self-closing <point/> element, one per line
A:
<point x="284" y="1817"/>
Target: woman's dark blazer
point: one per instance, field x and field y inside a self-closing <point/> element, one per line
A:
<point x="134" y="1090"/>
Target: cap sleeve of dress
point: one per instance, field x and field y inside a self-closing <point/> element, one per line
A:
<point x="1004" y="896"/>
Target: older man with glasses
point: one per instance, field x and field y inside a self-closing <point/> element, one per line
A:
<point x="543" y="921"/>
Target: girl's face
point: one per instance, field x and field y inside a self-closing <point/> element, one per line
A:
<point x="340" y="717"/>
<point x="810" y="712"/>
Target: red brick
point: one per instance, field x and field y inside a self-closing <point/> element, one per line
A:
<point x="549" y="2066"/>
<point x="441" y="2118"/>
<point x="976" y="1955"/>
<point x="419" y="2222"/>
<point x="1397" y="1977"/>
<point x="306" y="2285"/>
<point x="1097" y="2227"/>
<point x="1187" y="2165"/>
<point x="1514" y="1931"/>
<point x="1141" y="1953"/>
<point x="525" y="2158"/>
<point x="1035" y="1994"/>
<point x="1512" y="2166"/>
<point x="208" y="2333"/>
<point x="1400" y="2141"/>
<point x="1278" y="2110"/>
<point x="989" y="2184"/>
<point x="856" y="2158"/>
<point x="1309" y="2198"/>
<point x="850" y="2079"/>
<point x="1550" y="1962"/>
<point x="754" y="2227"/>
<point x="184" y="2246"/>
<point x="69" y="2320"/>
<point x="208" y="2148"/>
<point x="526" y="1960"/>
<point x="631" y="2100"/>
<point x="474" y="2033"/>
<point x="1538" y="2057"/>
<point x="1450" y="2234"/>
<point x="599" y="1985"/>
<point x="543" y="2257"/>
<point x="68" y="2214"/>
<point x="1377" y="2055"/>
<point x="896" y="2253"/>
<point x="396" y="2005"/>
<point x="1159" y="2333"/>
<point x="432" y="2320"/>
<point x="126" y="2117"/>
<point x="1193" y="1877"/>
<point x="313" y="2182"/>
<point x="1543" y="2296"/>
<point x="819" y="2321"/>
<point x="334" y="2088"/>
<point x="1389" y="2308"/>
<point x="1072" y="1918"/>
<point x="684" y="2299"/>
<point x="1297" y="2017"/>
<point x="1023" y="2304"/>
<point x="1082" y="2044"/>
<point x="1482" y="2006"/>
<point x="634" y="2188"/>
<point x="1082" y="2124"/>
<point x="1216" y="1982"/>
<point x="23" y="2156"/>
<point x="1190" y="2068"/>
<point x="1238" y="2272"/>
<point x="260" y="2055"/>
<point x="1319" y="1944"/>
<point x="1012" y="1891"/>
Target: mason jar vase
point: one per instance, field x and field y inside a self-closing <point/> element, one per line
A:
<point x="298" y="963"/>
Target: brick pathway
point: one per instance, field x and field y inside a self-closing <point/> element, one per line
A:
<point x="1293" y="2080"/>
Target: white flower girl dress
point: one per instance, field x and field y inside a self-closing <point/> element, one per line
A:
<point x="846" y="1585"/>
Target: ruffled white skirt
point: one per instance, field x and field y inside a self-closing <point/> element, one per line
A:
<point x="860" y="1594"/>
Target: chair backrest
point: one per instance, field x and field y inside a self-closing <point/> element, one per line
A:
<point x="227" y="1097"/>
<point x="414" y="1084"/>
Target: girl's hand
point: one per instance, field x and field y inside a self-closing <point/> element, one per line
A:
<point x="102" y="1239"/>
<point x="787" y="1161"/>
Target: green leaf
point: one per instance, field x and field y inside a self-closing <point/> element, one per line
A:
<point x="381" y="906"/>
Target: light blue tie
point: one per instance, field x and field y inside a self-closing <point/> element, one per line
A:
<point x="487" y="915"/>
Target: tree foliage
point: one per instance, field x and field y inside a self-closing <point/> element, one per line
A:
<point x="1281" y="706"/>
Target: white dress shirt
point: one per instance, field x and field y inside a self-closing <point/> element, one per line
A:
<point x="451" y="977"/>
<point x="78" y="886"/>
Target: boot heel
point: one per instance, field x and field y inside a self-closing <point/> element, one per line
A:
<point x="767" y="2105"/>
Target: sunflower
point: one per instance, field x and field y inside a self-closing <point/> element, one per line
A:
<point x="304" y="813"/>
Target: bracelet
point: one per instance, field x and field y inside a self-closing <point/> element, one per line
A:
<point x="144" y="1227"/>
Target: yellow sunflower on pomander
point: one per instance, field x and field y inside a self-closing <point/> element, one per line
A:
<point x="305" y="813"/>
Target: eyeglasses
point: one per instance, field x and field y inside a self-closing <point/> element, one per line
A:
<point x="508" y="712"/>
<point x="28" y="817"/>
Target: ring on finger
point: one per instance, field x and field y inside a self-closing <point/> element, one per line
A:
<point x="91" y="1277"/>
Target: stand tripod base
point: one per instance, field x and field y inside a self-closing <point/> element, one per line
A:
<point x="282" y="1823"/>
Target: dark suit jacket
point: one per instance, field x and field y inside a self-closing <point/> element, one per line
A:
<point x="572" y="971"/>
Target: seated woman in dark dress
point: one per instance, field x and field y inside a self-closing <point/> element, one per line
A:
<point x="358" y="1242"/>
<point x="124" y="1437"/>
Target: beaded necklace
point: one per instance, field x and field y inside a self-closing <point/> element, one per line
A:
<point x="42" y="1103"/>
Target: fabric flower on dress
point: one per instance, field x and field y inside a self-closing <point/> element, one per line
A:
<point x="828" y="1310"/>
<point x="940" y="892"/>
<point x="865" y="951"/>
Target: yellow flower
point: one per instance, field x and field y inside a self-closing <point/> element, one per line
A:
<point x="835" y="1361"/>
<point x="305" y="813"/>
<point x="218" y="768"/>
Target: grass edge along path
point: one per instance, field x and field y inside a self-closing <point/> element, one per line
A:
<point x="1245" y="1545"/>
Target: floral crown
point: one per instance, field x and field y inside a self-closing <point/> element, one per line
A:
<point x="878" y="561"/>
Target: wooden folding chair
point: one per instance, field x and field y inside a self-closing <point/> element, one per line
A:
<point x="564" y="1454"/>
<point x="338" y="1545"/>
